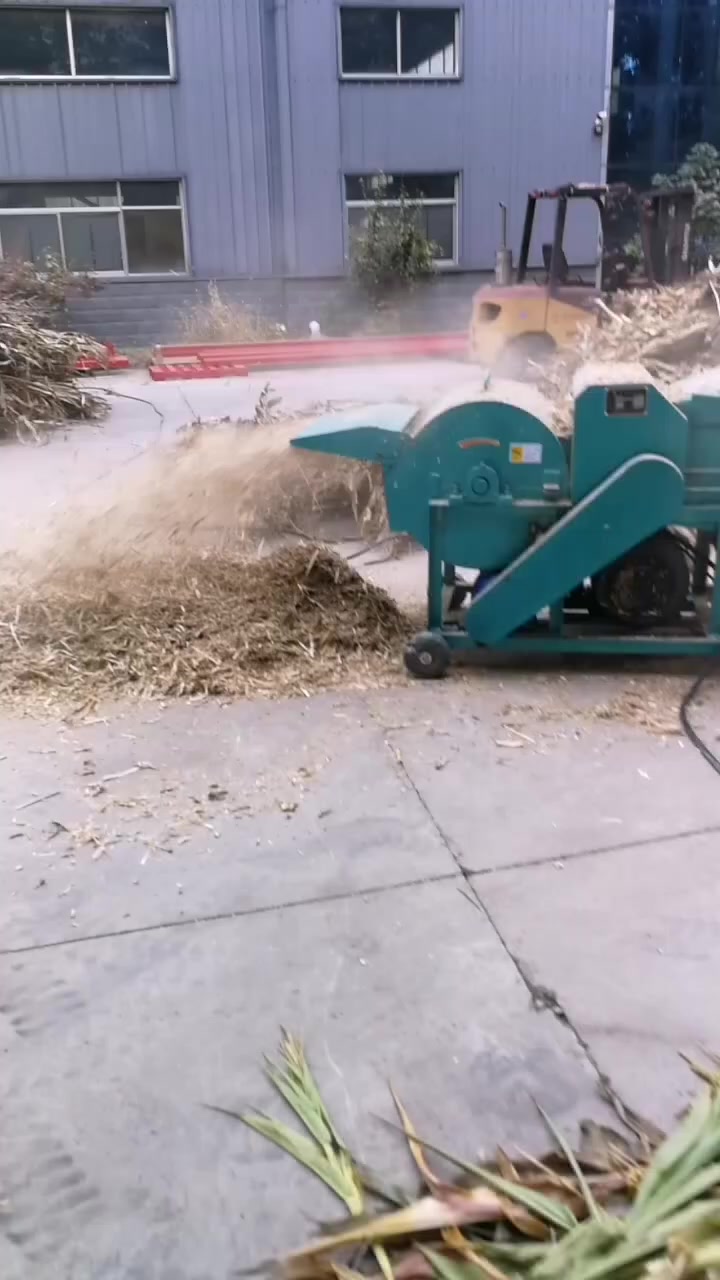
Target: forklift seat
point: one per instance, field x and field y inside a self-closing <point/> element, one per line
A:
<point x="563" y="265"/>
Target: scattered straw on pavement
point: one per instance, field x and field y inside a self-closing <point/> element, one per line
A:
<point x="297" y="620"/>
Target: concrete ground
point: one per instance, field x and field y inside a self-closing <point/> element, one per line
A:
<point x="488" y="891"/>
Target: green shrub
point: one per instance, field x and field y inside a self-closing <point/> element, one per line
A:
<point x="391" y="253"/>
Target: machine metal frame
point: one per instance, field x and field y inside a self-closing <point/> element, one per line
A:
<point x="563" y="633"/>
<point x="604" y="542"/>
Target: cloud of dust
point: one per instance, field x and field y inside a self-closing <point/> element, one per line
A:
<point x="220" y="489"/>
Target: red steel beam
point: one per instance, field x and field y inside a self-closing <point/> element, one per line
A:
<point x="184" y="372"/>
<point x="320" y="351"/>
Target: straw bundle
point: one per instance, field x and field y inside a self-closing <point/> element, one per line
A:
<point x="36" y="373"/>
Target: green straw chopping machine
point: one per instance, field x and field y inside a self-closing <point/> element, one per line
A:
<point x="601" y="542"/>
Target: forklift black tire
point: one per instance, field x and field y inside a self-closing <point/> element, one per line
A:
<point x="427" y="656"/>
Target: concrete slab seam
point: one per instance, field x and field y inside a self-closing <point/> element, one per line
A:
<point x="578" y="854"/>
<point x="541" y="998"/>
<point x="218" y="916"/>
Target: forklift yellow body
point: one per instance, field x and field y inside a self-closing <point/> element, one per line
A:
<point x="523" y="321"/>
<point x="512" y="324"/>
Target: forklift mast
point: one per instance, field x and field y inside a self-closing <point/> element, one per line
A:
<point x="664" y="216"/>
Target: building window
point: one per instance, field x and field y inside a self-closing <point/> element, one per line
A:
<point x="85" y="44"/>
<point x="399" y="44"/>
<point x="433" y="195"/>
<point x="107" y="228"/>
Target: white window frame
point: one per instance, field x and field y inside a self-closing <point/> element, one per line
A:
<point x="117" y="211"/>
<point x="398" y="74"/>
<point x="74" y="77"/>
<point x="431" y="201"/>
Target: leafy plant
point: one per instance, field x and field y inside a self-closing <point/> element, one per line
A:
<point x="391" y="253"/>
<point x="701" y="170"/>
<point x="43" y="288"/>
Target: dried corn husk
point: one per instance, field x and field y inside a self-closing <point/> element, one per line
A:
<point x="654" y="1214"/>
<point x="37" y="386"/>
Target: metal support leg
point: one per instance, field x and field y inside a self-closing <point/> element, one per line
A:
<point x="438" y="507"/>
<point x="715" y="603"/>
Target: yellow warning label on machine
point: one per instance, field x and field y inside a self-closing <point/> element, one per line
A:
<point x="526" y="453"/>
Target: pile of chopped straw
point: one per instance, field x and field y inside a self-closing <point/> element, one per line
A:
<point x="625" y="1206"/>
<point x="224" y="625"/>
<point x="671" y="332"/>
<point x="37" y="383"/>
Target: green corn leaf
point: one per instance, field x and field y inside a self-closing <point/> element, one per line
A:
<point x="294" y="1055"/>
<point x="660" y="1208"/>
<point x="633" y="1252"/>
<point x="551" y="1211"/>
<point x="675" y="1149"/>
<point x="587" y="1241"/>
<point x="522" y="1255"/>
<point x="299" y="1104"/>
<point x="299" y="1147"/>
<point x="447" y="1268"/>
<point x="295" y="1082"/>
<point x="590" y="1201"/>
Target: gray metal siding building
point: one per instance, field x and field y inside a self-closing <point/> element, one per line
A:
<point x="246" y="128"/>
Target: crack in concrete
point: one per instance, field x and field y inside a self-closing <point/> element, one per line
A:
<point x="541" y="998"/>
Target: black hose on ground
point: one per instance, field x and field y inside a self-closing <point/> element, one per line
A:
<point x="690" y="732"/>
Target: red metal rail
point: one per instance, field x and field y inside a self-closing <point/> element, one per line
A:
<point x="323" y="350"/>
<point x="206" y="369"/>
<point x="112" y="362"/>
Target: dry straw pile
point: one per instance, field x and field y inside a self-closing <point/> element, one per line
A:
<point x="38" y="388"/>
<point x="672" y="332"/>
<point x="180" y="582"/>
<point x="220" y="624"/>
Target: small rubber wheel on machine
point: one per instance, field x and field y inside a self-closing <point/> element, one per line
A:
<point x="427" y="656"/>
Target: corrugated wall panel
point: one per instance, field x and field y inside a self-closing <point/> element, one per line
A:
<point x="30" y="125"/>
<point x="91" y="130"/>
<point x="220" y="139"/>
<point x="412" y="127"/>
<point x="256" y="190"/>
<point x="534" y="73"/>
<point x="145" y="128"/>
<point x="208" y="128"/>
<point x="522" y="115"/>
<point x="201" y="128"/>
<point x="315" y="123"/>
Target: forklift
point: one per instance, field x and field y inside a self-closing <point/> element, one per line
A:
<point x="517" y="325"/>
